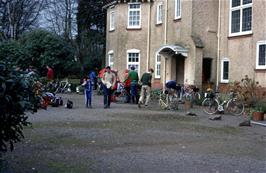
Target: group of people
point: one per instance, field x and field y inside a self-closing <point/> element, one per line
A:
<point x="108" y="83"/>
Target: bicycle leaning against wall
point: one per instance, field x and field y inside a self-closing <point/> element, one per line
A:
<point x="213" y="104"/>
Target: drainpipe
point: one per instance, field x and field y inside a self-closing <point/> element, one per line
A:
<point x="165" y="38"/>
<point x="218" y="47"/>
<point x="148" y="37"/>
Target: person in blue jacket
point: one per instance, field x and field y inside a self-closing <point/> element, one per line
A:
<point x="87" y="83"/>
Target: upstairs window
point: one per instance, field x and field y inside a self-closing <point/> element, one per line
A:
<point x="159" y="14"/>
<point x="240" y="17"/>
<point x="261" y="55"/>
<point x="177" y="9"/>
<point x="112" y="21"/>
<point x="225" y="70"/>
<point x="134" y="15"/>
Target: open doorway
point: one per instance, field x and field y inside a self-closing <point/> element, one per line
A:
<point x="180" y="68"/>
<point x="206" y="70"/>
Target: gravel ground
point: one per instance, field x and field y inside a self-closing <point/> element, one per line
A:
<point x="127" y="139"/>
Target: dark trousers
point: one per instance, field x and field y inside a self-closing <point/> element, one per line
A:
<point x="107" y="92"/>
<point x="95" y="83"/>
<point x="134" y="91"/>
<point x="128" y="94"/>
<point x="88" y="95"/>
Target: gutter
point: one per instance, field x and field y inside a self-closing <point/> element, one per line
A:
<point x="148" y="38"/>
<point x="165" y="38"/>
<point x="218" y="47"/>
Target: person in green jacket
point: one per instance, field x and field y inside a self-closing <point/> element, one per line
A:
<point x="134" y="78"/>
<point x="146" y="87"/>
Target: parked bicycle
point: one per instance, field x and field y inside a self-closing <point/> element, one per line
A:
<point x="168" y="100"/>
<point x="63" y="87"/>
<point x="121" y="93"/>
<point x="212" y="104"/>
<point x="191" y="93"/>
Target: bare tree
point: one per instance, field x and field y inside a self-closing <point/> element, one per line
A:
<point x="17" y="16"/>
<point x="60" y="17"/>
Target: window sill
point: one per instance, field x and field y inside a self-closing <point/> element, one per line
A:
<point x="159" y="23"/>
<point x="224" y="82"/>
<point x="260" y="69"/>
<point x="247" y="34"/>
<point x="177" y="18"/>
<point x="133" y="28"/>
<point x="157" y="78"/>
<point x="111" y="30"/>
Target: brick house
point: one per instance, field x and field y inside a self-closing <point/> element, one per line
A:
<point x="189" y="41"/>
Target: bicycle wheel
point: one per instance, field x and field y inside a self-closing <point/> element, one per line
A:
<point x="197" y="96"/>
<point x="173" y="105"/>
<point x="163" y="105"/>
<point x="210" y="106"/>
<point x="235" y="107"/>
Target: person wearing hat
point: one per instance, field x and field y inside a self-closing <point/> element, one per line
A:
<point x="108" y="82"/>
<point x="146" y="87"/>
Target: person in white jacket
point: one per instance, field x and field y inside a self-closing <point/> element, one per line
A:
<point x="108" y="82"/>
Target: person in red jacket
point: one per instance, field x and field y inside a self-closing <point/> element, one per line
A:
<point x="127" y="85"/>
<point x="50" y="73"/>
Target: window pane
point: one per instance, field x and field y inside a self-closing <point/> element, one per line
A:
<point x="247" y="19"/>
<point x="158" y="58"/>
<point x="235" y="21"/>
<point x="247" y="2"/>
<point x="178" y="8"/>
<point x="226" y="70"/>
<point x="262" y="54"/>
<point x="158" y="69"/>
<point x="235" y="3"/>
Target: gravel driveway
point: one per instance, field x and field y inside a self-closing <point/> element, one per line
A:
<point x="127" y="139"/>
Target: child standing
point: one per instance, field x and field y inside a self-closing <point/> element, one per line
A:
<point x="87" y="83"/>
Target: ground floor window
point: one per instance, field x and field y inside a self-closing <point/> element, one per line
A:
<point x="261" y="55"/>
<point x="111" y="59"/>
<point x="133" y="59"/>
<point x="225" y="70"/>
<point x="158" y="66"/>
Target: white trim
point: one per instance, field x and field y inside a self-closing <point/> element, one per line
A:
<point x="137" y="26"/>
<point x="159" y="13"/>
<point x="110" y="52"/>
<point x="240" y="7"/>
<point x="262" y="42"/>
<point x="157" y="63"/>
<point x="177" y="49"/>
<point x="179" y="16"/>
<point x="133" y="63"/>
<point x="112" y="21"/>
<point x="222" y="70"/>
<point x="133" y="51"/>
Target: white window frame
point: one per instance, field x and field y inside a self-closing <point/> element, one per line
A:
<point x="111" y="63"/>
<point x="222" y="70"/>
<point x="178" y="9"/>
<point x="241" y="7"/>
<point x="263" y="42"/>
<point x="159" y="13"/>
<point x="133" y="63"/>
<point x="112" y="21"/>
<point x="156" y="64"/>
<point x="129" y="9"/>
